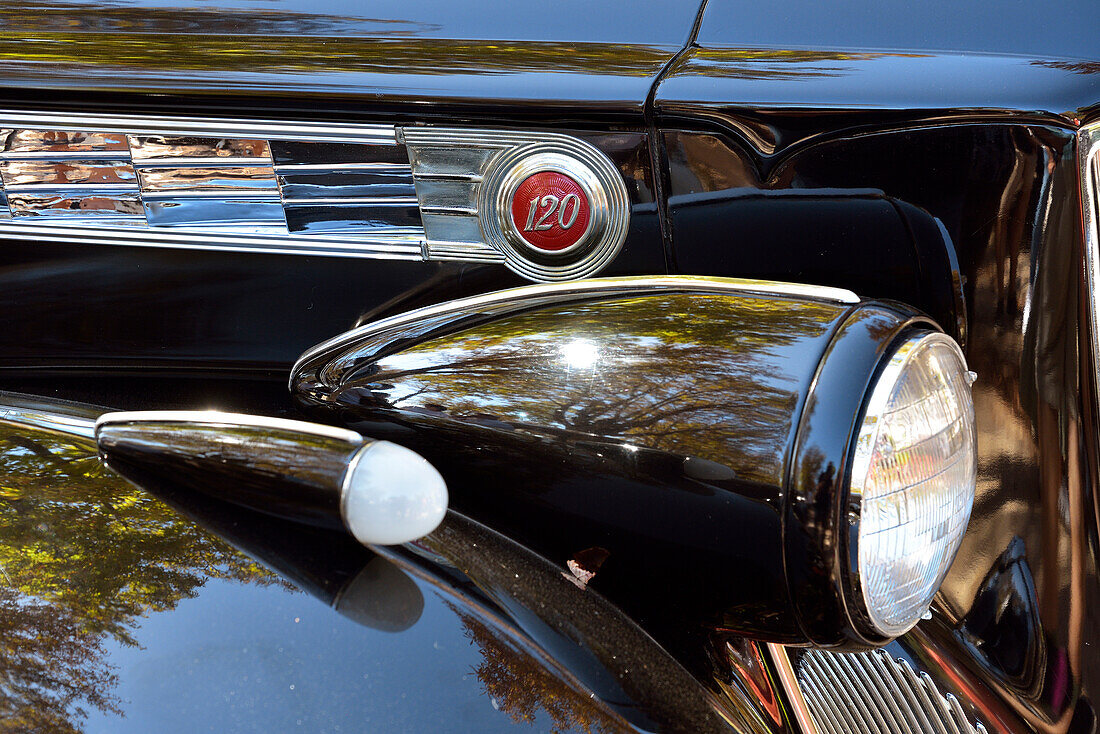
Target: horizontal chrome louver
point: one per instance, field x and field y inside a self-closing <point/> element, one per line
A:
<point x="186" y="183"/>
<point x="872" y="692"/>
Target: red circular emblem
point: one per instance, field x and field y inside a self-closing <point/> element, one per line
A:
<point x="550" y="211"/>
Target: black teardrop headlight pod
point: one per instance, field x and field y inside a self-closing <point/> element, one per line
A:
<point x="783" y="461"/>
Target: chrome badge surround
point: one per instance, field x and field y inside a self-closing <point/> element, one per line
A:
<point x="483" y="168"/>
<point x="349" y="190"/>
<point x="513" y="169"/>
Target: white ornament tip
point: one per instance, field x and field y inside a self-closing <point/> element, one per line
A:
<point x="392" y="495"/>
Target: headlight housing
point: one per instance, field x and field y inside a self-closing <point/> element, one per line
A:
<point x="913" y="475"/>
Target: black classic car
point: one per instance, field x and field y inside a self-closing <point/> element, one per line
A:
<point x="680" y="366"/>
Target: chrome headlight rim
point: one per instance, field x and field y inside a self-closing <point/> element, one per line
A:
<point x="820" y="544"/>
<point x="907" y="345"/>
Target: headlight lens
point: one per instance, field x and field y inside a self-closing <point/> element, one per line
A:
<point x="913" y="477"/>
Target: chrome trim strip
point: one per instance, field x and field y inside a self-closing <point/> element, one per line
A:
<point x="49" y="205"/>
<point x="70" y="191"/>
<point x="73" y="419"/>
<point x="71" y="425"/>
<point x="469" y="177"/>
<point x="102" y="172"/>
<point x="313" y="132"/>
<point x="467" y="211"/>
<point x="572" y="291"/>
<point x="788" y="680"/>
<point x="217" y="417"/>
<point x="1088" y="151"/>
<point x="377" y="166"/>
<point x="266" y="193"/>
<point x="36" y="139"/>
<point x="391" y="246"/>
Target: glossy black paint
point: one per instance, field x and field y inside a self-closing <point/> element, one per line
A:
<point x="123" y="604"/>
<point x="575" y="61"/>
<point x="1002" y="196"/>
<point x="561" y="627"/>
<point x="978" y="143"/>
<point x="938" y="25"/>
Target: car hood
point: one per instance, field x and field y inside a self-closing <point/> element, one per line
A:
<point x="570" y="52"/>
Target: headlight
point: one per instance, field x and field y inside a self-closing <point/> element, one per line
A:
<point x="913" y="475"/>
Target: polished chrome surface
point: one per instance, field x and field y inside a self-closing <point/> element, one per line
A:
<point x="1088" y="150"/>
<point x="24" y="172"/>
<point x="110" y="126"/>
<point x="788" y="681"/>
<point x="86" y="204"/>
<point x="31" y="142"/>
<point x="873" y="692"/>
<point x="249" y="213"/>
<point x="401" y="245"/>
<point x="197" y="418"/>
<point x="72" y="419"/>
<point x="191" y="184"/>
<point x="167" y="148"/>
<point x="201" y="178"/>
<point x="298" y="188"/>
<point x="351" y="346"/>
<point x="466" y="180"/>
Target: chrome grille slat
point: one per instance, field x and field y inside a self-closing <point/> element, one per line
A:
<point x="153" y="164"/>
<point x="868" y="695"/>
<point x="902" y="719"/>
<point x="825" y="719"/>
<point x="841" y="693"/>
<point x="86" y="204"/>
<point x="870" y="691"/>
<point x="106" y="171"/>
<point x="895" y="687"/>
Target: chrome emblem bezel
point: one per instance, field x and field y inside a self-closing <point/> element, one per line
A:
<point x="608" y="202"/>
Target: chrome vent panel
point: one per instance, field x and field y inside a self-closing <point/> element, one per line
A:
<point x="301" y="188"/>
<point x="376" y="191"/>
<point x="209" y="184"/>
<point x="873" y="692"/>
